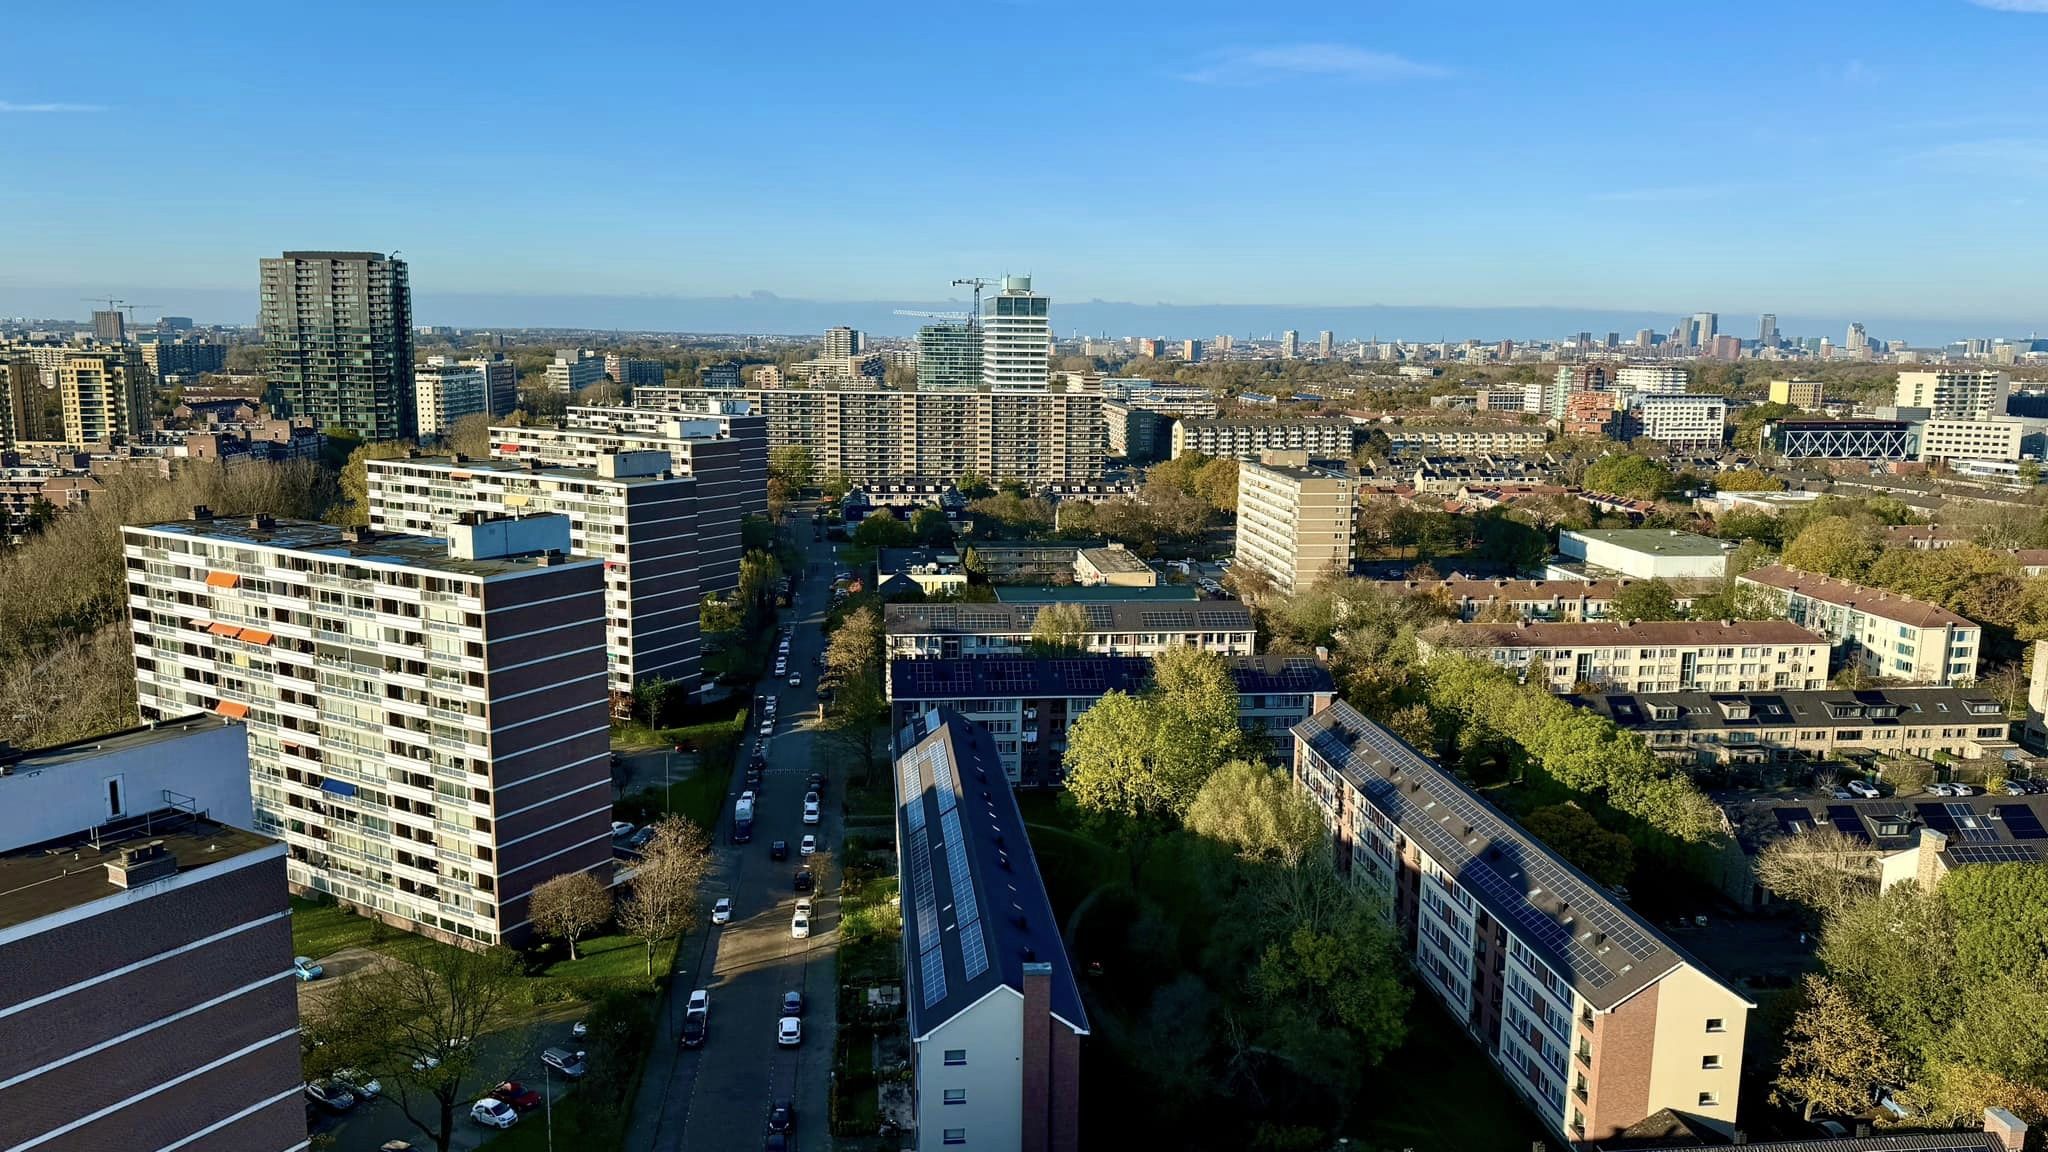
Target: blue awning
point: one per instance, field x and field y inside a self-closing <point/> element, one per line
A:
<point x="338" y="787"/>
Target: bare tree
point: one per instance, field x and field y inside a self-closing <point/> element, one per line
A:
<point x="415" y="1028"/>
<point x="1823" y="869"/>
<point x="569" y="906"/>
<point x="662" y="896"/>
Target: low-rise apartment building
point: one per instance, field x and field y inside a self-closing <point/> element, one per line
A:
<point x="994" y="1014"/>
<point x="1535" y="601"/>
<point x="1677" y="419"/>
<point x="1114" y="628"/>
<point x="1992" y="439"/>
<point x="1880" y="633"/>
<point x="445" y="392"/>
<point x="631" y="511"/>
<point x="1294" y="519"/>
<point x="1707" y="730"/>
<point x="1462" y="439"/>
<point x="1027" y="703"/>
<point x="1801" y="394"/>
<point x="1322" y="437"/>
<point x="726" y="453"/>
<point x="149" y="998"/>
<point x="1648" y="655"/>
<point x="428" y="731"/>
<point x="1593" y="1017"/>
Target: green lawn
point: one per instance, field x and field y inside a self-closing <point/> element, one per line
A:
<point x="321" y="928"/>
<point x="575" y="1127"/>
<point x="616" y="960"/>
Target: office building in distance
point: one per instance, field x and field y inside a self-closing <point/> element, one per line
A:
<point x="948" y="356"/>
<point x="1823" y="439"/>
<point x="1592" y="1016"/>
<point x="1802" y="394"/>
<point x="337" y="341"/>
<point x="428" y="730"/>
<point x="573" y="370"/>
<point x="631" y="511"/>
<point x="1881" y="634"/>
<point x="632" y="373"/>
<point x="149" y="999"/>
<point x="995" y="1017"/>
<point x="1294" y="519"/>
<point x="1994" y="439"/>
<point x="1016" y="336"/>
<point x="1647" y="655"/>
<point x="1658" y="379"/>
<point x="1683" y="420"/>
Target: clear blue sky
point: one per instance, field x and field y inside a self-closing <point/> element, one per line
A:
<point x="1819" y="156"/>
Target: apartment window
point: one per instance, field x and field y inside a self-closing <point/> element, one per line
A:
<point x="959" y="1095"/>
<point x="1710" y="1063"/>
<point x="958" y="1056"/>
<point x="1714" y="1024"/>
<point x="1709" y="1100"/>
<point x="114" y="807"/>
<point x="956" y="1136"/>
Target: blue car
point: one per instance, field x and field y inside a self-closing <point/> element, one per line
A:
<point x="304" y="968"/>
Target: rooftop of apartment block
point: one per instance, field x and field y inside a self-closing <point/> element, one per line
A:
<point x="328" y="541"/>
<point x="44" y="879"/>
<point x="1600" y="633"/>
<point x="1653" y="541"/>
<point x="1872" y="601"/>
<point x="1581" y="930"/>
<point x="22" y="760"/>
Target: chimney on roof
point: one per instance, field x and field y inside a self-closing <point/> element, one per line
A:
<point x="262" y="522"/>
<point x="142" y="865"/>
<point x="2010" y="1130"/>
<point x="201" y="512"/>
<point x="1927" y="867"/>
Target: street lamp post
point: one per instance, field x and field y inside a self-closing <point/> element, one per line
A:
<point x="547" y="1082"/>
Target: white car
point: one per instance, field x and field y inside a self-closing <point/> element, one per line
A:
<point x="1863" y="788"/>
<point x="721" y="910"/>
<point x="800" y="924"/>
<point x="789" y="1032"/>
<point x="796" y="681"/>
<point x="700" y="1001"/>
<point x="621" y="829"/>
<point x="494" y="1113"/>
<point x="811" y="808"/>
<point x="807" y="845"/>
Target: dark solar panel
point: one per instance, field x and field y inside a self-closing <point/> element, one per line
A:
<point x="1971" y="826"/>
<point x="2021" y="823"/>
<point x="1992" y="854"/>
<point x="1846" y="821"/>
<point x="1936" y="816"/>
<point x="1791" y="820"/>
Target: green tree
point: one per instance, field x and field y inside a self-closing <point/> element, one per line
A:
<point x="1735" y="602"/>
<point x="1895" y="956"/>
<point x="1833" y="1057"/>
<point x="793" y="464"/>
<point x="1577" y="836"/>
<point x="1645" y="600"/>
<point x="1835" y="546"/>
<point x="353" y="510"/>
<point x="1060" y="629"/>
<point x="1625" y="474"/>
<point x="570" y="906"/>
<point x="881" y="530"/>
<point x="930" y="526"/>
<point x="1216" y="483"/>
<point x="1258" y="812"/>
<point x="974" y="485"/>
<point x="416" y="1026"/>
<point x="1748" y="480"/>
<point x="1147" y="756"/>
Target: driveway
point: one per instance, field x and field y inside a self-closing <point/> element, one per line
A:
<point x="718" y="1096"/>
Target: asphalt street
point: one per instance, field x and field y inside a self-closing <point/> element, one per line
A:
<point x="719" y="1095"/>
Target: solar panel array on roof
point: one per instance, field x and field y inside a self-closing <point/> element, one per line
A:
<point x="1571" y="923"/>
<point x="1992" y="854"/>
<point x="1846" y="821"/>
<point x="1970" y="826"/>
<point x="2021" y="823"/>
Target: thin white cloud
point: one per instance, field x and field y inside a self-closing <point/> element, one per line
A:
<point x="2013" y="5"/>
<point x="1247" y="66"/>
<point x="11" y="106"/>
<point x="2009" y="157"/>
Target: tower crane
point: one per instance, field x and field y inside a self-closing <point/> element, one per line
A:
<point x="932" y="315"/>
<point x="977" y="283"/>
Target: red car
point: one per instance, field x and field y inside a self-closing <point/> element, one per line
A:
<point x="519" y="1096"/>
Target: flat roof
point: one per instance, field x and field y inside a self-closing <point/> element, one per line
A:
<point x="1092" y="593"/>
<point x="975" y="910"/>
<point x="1600" y="945"/>
<point x="513" y="467"/>
<point x="1123" y="615"/>
<point x="127" y="739"/>
<point x="1114" y="560"/>
<point x="1076" y="676"/>
<point x="325" y="541"/>
<point x="48" y="878"/>
<point x="1653" y="541"/>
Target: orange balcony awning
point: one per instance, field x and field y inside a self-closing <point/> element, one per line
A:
<point x="219" y="629"/>
<point x="232" y="709"/>
<point x="252" y="636"/>
<point x="222" y="579"/>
